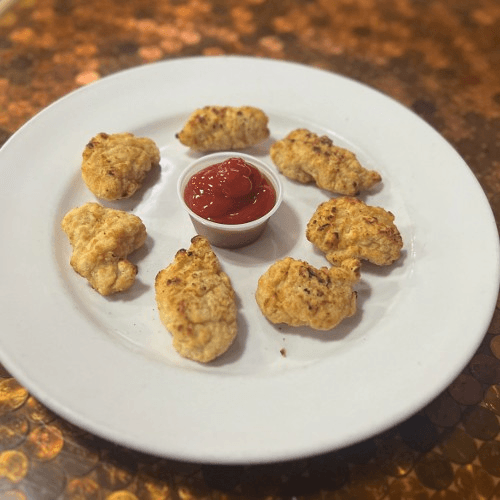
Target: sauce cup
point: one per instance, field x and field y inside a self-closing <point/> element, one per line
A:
<point x="229" y="235"/>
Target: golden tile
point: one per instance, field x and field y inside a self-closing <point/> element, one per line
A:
<point x="86" y="50"/>
<point x="12" y="395"/>
<point x="37" y="412"/>
<point x="122" y="495"/>
<point x="8" y="19"/>
<point x="458" y="447"/>
<point x="83" y="489"/>
<point x="45" y="442"/>
<point x="189" y="37"/>
<point x="87" y="77"/>
<point x="112" y="476"/>
<point x="168" y="31"/>
<point x="472" y="481"/>
<point x="23" y="35"/>
<point x="13" y="465"/>
<point x="466" y="390"/>
<point x="395" y="457"/>
<point x="409" y="488"/>
<point x="14" y="428"/>
<point x="271" y="43"/>
<point x="481" y="423"/>
<point x="367" y="482"/>
<point x="495" y="346"/>
<point x="171" y="46"/>
<point x="152" y="53"/>
<point x="485" y="369"/>
<point x="491" y="399"/>
<point x="434" y="471"/>
<point x="489" y="457"/>
<point x="153" y="490"/>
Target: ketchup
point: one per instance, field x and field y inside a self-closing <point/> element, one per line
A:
<point x="231" y="192"/>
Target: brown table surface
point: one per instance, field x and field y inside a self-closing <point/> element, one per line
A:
<point x="439" y="58"/>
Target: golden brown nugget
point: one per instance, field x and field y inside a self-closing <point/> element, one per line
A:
<point x="102" y="238"/>
<point x="346" y="228"/>
<point x="115" y="166"/>
<point x="306" y="157"/>
<point x="294" y="292"/>
<point x="218" y="128"/>
<point x="196" y="302"/>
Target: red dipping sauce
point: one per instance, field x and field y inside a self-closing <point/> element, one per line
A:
<point x="231" y="192"/>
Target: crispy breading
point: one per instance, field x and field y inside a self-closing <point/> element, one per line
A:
<point x="218" y="128"/>
<point x="115" y="166"/>
<point x="306" y="157"/>
<point x="347" y="228"/>
<point x="294" y="292"/>
<point x="102" y="238"/>
<point x="197" y="303"/>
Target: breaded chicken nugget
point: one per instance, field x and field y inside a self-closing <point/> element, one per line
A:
<point x="306" y="157"/>
<point x="115" y="166"/>
<point x="294" y="292"/>
<point x="218" y="128"/>
<point x="101" y="239"/>
<point x="196" y="302"/>
<point x="347" y="228"/>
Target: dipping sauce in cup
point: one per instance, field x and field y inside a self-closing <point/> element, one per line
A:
<point x="229" y="197"/>
<point x="230" y="192"/>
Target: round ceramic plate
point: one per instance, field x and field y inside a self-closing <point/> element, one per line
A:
<point x="107" y="364"/>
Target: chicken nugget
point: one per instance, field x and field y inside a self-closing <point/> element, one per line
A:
<point x="347" y="228"/>
<point x="196" y="302"/>
<point x="306" y="157"/>
<point x="101" y="239"/>
<point x="115" y="166"/>
<point x="218" y="128"/>
<point x="294" y="292"/>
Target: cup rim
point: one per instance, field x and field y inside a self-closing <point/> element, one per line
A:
<point x="212" y="158"/>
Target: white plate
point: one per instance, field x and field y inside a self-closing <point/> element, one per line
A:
<point x="107" y="365"/>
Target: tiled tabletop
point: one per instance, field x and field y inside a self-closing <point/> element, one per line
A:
<point x="441" y="59"/>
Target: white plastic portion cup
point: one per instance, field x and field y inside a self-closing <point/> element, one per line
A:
<point x="229" y="235"/>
